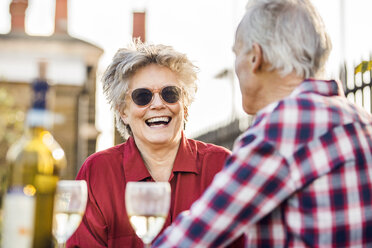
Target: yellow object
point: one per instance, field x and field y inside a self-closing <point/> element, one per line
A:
<point x="363" y="67"/>
<point x="34" y="166"/>
<point x="35" y="172"/>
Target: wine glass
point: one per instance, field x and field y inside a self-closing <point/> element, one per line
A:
<point x="69" y="207"/>
<point x="147" y="205"/>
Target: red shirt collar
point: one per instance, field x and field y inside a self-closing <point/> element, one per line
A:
<point x="135" y="169"/>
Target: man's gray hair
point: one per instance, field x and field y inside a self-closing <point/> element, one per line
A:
<point x="291" y="34"/>
<point x="127" y="61"/>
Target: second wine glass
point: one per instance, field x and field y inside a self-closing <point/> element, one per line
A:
<point x="69" y="207"/>
<point x="147" y="205"/>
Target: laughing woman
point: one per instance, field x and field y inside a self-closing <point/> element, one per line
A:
<point x="150" y="88"/>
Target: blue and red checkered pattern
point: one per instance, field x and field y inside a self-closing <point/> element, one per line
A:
<point x="300" y="176"/>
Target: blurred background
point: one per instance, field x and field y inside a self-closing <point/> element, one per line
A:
<point x="76" y="39"/>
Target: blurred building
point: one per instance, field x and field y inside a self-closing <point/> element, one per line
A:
<point x="71" y="66"/>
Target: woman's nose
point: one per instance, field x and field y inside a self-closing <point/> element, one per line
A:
<point x="157" y="101"/>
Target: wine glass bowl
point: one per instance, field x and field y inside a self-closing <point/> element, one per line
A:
<point x="69" y="207"/>
<point x="147" y="205"/>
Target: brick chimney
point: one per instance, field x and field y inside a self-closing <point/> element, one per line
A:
<point x="17" y="9"/>
<point x="139" y="25"/>
<point x="60" y="24"/>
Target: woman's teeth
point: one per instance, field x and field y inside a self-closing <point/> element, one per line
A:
<point x="158" y="121"/>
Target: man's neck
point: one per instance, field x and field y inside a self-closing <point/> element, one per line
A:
<point x="276" y="87"/>
<point x="282" y="86"/>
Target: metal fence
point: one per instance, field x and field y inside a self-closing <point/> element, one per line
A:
<point x="358" y="86"/>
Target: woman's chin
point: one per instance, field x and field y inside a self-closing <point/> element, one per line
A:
<point x="162" y="139"/>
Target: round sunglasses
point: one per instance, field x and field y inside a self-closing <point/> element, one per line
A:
<point x="144" y="96"/>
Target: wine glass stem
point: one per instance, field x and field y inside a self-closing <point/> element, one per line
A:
<point x="61" y="245"/>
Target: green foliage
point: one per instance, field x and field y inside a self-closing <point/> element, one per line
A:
<point x="11" y="123"/>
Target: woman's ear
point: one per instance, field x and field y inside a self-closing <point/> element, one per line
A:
<point x="123" y="115"/>
<point x="124" y="118"/>
<point x="256" y="57"/>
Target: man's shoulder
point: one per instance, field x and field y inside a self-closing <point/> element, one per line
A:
<point x="294" y="110"/>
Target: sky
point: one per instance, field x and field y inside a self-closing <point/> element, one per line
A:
<point x="204" y="30"/>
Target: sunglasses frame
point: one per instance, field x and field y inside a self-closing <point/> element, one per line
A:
<point x="154" y="91"/>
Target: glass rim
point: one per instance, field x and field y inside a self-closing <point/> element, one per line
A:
<point x="149" y="184"/>
<point x="70" y="182"/>
<point x="143" y="182"/>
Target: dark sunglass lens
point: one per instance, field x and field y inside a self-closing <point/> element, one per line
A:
<point x="141" y="96"/>
<point x="171" y="94"/>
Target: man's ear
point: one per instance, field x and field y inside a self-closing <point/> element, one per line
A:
<point x="256" y="57"/>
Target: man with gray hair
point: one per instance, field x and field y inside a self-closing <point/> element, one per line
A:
<point x="301" y="175"/>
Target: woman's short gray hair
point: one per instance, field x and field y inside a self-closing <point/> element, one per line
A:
<point x="127" y="61"/>
<point x="291" y="34"/>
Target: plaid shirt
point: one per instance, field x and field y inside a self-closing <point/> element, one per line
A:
<point x="300" y="176"/>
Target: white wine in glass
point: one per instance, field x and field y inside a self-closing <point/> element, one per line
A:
<point x="147" y="205"/>
<point x="69" y="207"/>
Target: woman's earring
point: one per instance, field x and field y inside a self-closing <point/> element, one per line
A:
<point x="186" y="113"/>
